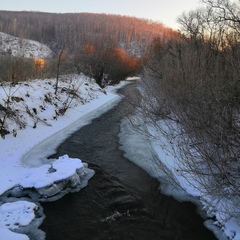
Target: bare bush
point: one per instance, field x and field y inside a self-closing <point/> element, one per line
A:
<point x="7" y="114"/>
<point x="192" y="84"/>
<point x="103" y="61"/>
<point x="15" y="69"/>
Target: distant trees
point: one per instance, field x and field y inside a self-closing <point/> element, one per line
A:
<point x="49" y="28"/>
<point x="18" y="69"/>
<point x="118" y="42"/>
<point x="15" y="69"/>
<point x="104" y="61"/>
<point x="192" y="85"/>
<point x="121" y="65"/>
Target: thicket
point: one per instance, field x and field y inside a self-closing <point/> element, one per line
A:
<point x="192" y="85"/>
<point x="14" y="69"/>
<point x="19" y="69"/>
<point x="106" y="63"/>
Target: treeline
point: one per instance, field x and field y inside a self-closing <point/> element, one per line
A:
<point x="118" y="43"/>
<point x="192" y="84"/>
<point x="132" y="34"/>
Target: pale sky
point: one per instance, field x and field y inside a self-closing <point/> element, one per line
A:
<point x="165" y="11"/>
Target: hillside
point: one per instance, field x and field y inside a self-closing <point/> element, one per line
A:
<point x="18" y="47"/>
<point x="77" y="29"/>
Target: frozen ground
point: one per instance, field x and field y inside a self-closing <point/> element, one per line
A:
<point x="24" y="169"/>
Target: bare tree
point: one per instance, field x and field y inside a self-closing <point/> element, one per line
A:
<point x="226" y="12"/>
<point x="59" y="62"/>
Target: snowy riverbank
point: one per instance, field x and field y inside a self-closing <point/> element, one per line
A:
<point x="148" y="148"/>
<point x="24" y="170"/>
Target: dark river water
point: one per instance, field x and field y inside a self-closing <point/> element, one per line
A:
<point x="121" y="201"/>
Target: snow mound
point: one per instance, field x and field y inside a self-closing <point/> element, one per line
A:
<point x="50" y="182"/>
<point x="17" y="214"/>
<point x="18" y="47"/>
<point x="8" y="234"/>
<point x="16" y="217"/>
<point x="46" y="175"/>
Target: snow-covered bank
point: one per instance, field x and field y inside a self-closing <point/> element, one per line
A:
<point x="157" y="157"/>
<point x="24" y="169"/>
<point x="224" y="222"/>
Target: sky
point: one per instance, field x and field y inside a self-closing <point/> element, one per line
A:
<point x="164" y="11"/>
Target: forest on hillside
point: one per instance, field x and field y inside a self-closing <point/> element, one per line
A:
<point x="97" y="45"/>
<point x="53" y="29"/>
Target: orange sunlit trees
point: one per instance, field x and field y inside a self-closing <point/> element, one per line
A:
<point x="38" y="66"/>
<point x="121" y="65"/>
<point x="39" y="63"/>
<point x="113" y="62"/>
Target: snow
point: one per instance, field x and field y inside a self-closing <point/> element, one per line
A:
<point x="221" y="209"/>
<point x="154" y="153"/>
<point x="10" y="45"/>
<point x="24" y="167"/>
<point x="17" y="213"/>
<point x="5" y="234"/>
<point x="63" y="168"/>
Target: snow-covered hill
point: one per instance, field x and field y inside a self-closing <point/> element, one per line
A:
<point x="18" y="47"/>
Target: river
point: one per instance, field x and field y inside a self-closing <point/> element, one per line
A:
<point x="121" y="201"/>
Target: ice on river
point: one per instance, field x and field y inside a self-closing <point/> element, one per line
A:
<point x="48" y="182"/>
